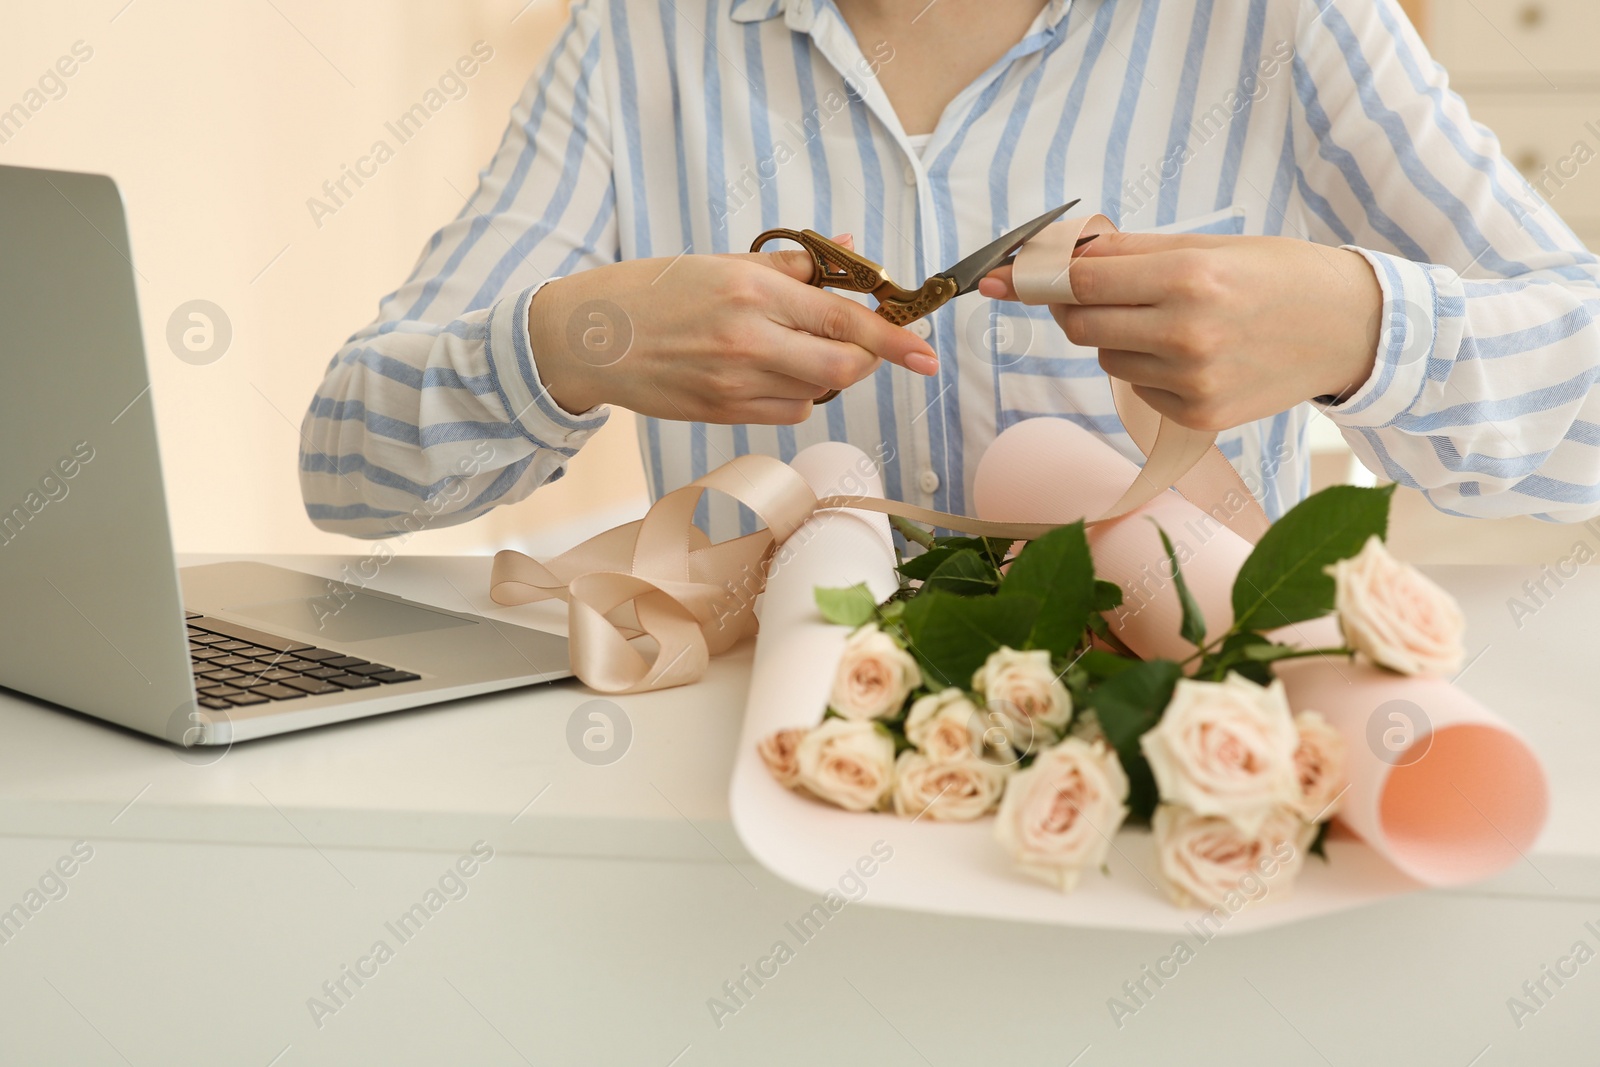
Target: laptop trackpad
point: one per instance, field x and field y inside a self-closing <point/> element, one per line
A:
<point x="348" y="618"/>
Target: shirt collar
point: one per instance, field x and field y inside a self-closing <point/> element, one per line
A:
<point x="762" y="10"/>
<point x="802" y="14"/>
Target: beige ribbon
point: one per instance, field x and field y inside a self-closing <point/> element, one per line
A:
<point x="649" y="602"/>
<point x="1188" y="460"/>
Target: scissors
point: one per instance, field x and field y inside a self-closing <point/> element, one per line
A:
<point x="838" y="267"/>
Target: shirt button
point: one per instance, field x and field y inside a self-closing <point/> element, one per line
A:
<point x="921" y="328"/>
<point x="928" y="481"/>
<point x="910" y="174"/>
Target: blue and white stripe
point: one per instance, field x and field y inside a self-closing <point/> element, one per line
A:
<point x="658" y="127"/>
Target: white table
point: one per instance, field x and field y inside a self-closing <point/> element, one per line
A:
<point x="221" y="896"/>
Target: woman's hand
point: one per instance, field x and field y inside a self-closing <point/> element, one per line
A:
<point x="1216" y="331"/>
<point x="725" y="339"/>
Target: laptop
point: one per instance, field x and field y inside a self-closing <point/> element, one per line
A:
<point x="95" y="615"/>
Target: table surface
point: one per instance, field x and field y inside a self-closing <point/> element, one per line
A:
<point x="409" y="778"/>
<point x="222" y="894"/>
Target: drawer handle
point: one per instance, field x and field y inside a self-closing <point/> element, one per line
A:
<point x="1531" y="16"/>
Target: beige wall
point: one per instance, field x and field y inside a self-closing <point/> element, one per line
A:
<point x="219" y="121"/>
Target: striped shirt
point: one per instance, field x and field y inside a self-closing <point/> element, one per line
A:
<point x="661" y="127"/>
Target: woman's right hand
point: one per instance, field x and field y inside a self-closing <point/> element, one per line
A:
<point x="709" y="338"/>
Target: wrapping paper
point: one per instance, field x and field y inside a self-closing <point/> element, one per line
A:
<point x="1447" y="792"/>
<point x="947" y="868"/>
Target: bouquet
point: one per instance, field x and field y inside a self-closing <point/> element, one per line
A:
<point x="992" y="682"/>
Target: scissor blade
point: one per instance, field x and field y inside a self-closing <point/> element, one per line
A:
<point x="1080" y="243"/>
<point x="967" y="273"/>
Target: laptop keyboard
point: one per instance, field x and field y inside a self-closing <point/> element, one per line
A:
<point x="236" y="666"/>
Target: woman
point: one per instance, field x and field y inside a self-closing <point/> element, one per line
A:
<point x="1339" y="240"/>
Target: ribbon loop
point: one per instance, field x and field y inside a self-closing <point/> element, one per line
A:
<point x="659" y="581"/>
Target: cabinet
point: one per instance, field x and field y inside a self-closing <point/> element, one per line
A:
<point x="1529" y="70"/>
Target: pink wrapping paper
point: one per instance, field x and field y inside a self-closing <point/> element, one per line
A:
<point x="1448" y="793"/>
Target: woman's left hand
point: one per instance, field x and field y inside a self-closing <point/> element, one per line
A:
<point x="1217" y="331"/>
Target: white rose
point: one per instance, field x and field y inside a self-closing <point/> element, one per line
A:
<point x="1395" y="616"/>
<point x="1022" y="688"/>
<point x="847" y="762"/>
<point x="1226" y="748"/>
<point x="779" y="751"/>
<point x="957" y="791"/>
<point x="1319" y="764"/>
<point x="1210" y="862"/>
<point x="875" y="674"/>
<point x="1058" y="816"/>
<point x="945" y="726"/>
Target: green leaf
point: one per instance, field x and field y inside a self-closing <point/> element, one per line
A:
<point x="992" y="549"/>
<point x="1056" y="573"/>
<point x="847" y="607"/>
<point x="1127" y="706"/>
<point x="1319" y="844"/>
<point x="1193" y="627"/>
<point x="1107" y="596"/>
<point x="1098" y="663"/>
<point x="1256" y="671"/>
<point x="1282" y="581"/>
<point x="917" y="568"/>
<point x="1102" y="629"/>
<point x="952" y="635"/>
<point x="964" y="573"/>
<point x="995" y="548"/>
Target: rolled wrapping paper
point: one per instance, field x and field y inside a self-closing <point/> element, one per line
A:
<point x="793" y="669"/>
<point x="1446" y="792"/>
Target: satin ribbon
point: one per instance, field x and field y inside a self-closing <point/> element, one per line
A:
<point x="649" y="602"/>
<point x="1187" y="460"/>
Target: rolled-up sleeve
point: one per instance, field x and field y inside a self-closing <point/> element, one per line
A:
<point x="1483" y="393"/>
<point x="435" y="412"/>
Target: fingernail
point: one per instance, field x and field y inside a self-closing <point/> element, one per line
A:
<point x="923" y="363"/>
<point x="845" y="239"/>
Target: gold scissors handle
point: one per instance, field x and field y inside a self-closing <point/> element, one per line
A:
<point x="836" y="267"/>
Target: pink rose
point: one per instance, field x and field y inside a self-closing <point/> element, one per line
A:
<point x="950" y="791"/>
<point x="847" y="762"/>
<point x="1210" y="862"/>
<point x="874" y="676"/>
<point x="1226" y="748"/>
<point x="945" y="726"/>
<point x="1319" y="764"/>
<point x="1395" y="616"/>
<point x="1058" y="815"/>
<point x="779" y="752"/>
<point x="1028" y="696"/>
